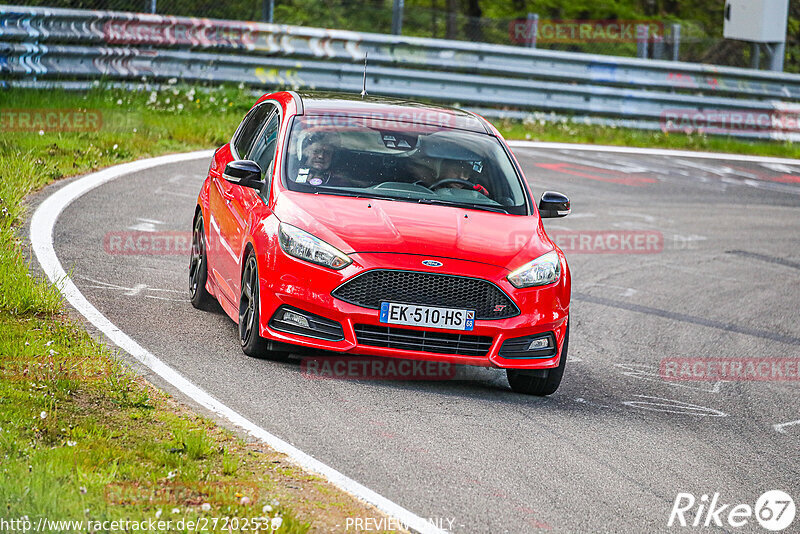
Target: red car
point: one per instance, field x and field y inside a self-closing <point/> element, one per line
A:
<point x="382" y="227"/>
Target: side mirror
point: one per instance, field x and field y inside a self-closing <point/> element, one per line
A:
<point x="244" y="172"/>
<point x="553" y="204"/>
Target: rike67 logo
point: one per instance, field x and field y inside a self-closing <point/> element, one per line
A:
<point x="774" y="510"/>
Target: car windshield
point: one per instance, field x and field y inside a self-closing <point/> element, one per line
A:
<point x="378" y="158"/>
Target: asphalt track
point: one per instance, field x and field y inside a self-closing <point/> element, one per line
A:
<point x="671" y="257"/>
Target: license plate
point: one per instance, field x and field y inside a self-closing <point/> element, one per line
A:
<point x="427" y="316"/>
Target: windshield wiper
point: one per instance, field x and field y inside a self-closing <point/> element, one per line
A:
<point x="347" y="193"/>
<point x="461" y="205"/>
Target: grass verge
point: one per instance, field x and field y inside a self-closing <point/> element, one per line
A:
<point x="575" y="132"/>
<point x="82" y="438"/>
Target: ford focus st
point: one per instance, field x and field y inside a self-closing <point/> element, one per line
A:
<point x="380" y="227"/>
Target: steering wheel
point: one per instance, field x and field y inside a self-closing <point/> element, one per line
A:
<point x="447" y="181"/>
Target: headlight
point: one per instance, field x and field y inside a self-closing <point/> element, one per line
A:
<point x="546" y="269"/>
<point x="300" y="244"/>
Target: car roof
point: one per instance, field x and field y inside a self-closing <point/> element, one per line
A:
<point x="386" y="108"/>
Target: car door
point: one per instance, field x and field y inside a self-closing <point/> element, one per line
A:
<point x="224" y="223"/>
<point x="244" y="199"/>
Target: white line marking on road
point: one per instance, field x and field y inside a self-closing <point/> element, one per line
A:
<point x="129" y="291"/>
<point x="780" y="427"/>
<point x="652" y="152"/>
<point x="631" y="225"/>
<point x="42" y="226"/>
<point x="135" y="290"/>
<point x="626" y="291"/>
<point x="778" y="167"/>
<point x="647" y="372"/>
<point x="625" y="213"/>
<point x="673" y="406"/>
<point x="145" y="225"/>
<point x="590" y="403"/>
<point x="164" y="298"/>
<point x="175" y="193"/>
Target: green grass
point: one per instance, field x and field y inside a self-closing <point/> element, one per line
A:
<point x="576" y="132"/>
<point x="81" y="436"/>
<point x="77" y="445"/>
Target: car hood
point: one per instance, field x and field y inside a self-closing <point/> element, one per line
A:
<point x="362" y="225"/>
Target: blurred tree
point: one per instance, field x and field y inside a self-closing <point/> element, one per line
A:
<point x="474" y="28"/>
<point x="450" y="25"/>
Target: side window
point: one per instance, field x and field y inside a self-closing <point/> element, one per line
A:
<point x="251" y="125"/>
<point x="263" y="150"/>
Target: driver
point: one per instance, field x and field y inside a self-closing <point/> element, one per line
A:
<point x="453" y="169"/>
<point x="315" y="167"/>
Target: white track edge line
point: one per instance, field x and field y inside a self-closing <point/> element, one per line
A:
<point x="41" y="234"/>
<point x="653" y="152"/>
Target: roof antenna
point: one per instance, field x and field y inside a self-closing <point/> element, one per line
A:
<point x="364" y="86"/>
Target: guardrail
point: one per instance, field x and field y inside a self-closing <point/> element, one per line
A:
<point x="49" y="44"/>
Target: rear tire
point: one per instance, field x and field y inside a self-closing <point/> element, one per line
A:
<point x="249" y="319"/>
<point x="539" y="382"/>
<point x="198" y="268"/>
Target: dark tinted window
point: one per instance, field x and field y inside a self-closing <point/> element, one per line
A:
<point x="251" y="125"/>
<point x="263" y="150"/>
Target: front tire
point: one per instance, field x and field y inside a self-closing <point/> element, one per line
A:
<point x="249" y="319"/>
<point x="198" y="268"/>
<point x="539" y="382"/>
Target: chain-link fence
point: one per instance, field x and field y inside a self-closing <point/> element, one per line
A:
<point x="657" y="38"/>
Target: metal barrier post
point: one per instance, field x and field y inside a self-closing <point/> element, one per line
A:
<point x="658" y="46"/>
<point x="755" y="58"/>
<point x="397" y="17"/>
<point x="676" y="42"/>
<point x="267" y="10"/>
<point x="642" y="36"/>
<point x="776" y="51"/>
<point x="533" y="27"/>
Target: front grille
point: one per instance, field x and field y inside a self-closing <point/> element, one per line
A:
<point x="371" y="288"/>
<point x="422" y="340"/>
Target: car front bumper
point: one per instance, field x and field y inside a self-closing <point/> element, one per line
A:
<point x="287" y="281"/>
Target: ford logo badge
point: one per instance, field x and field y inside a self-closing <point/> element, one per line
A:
<point x="432" y="263"/>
